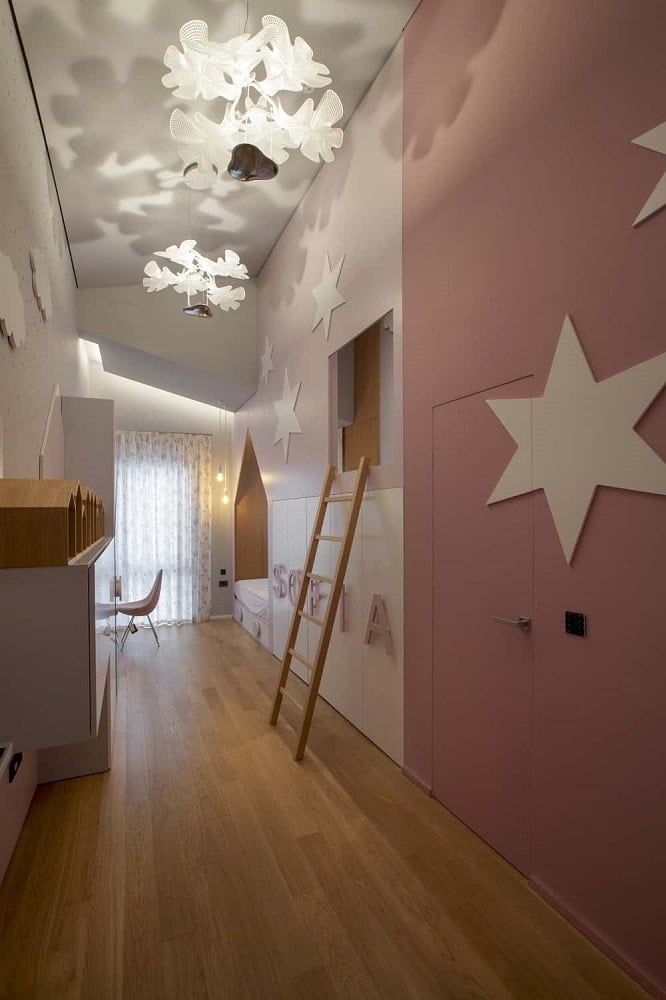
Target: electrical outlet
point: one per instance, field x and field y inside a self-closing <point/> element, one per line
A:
<point x="223" y="583"/>
<point x="575" y="623"/>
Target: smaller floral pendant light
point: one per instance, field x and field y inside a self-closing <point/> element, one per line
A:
<point x="198" y="275"/>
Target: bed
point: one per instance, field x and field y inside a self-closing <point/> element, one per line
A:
<point x="251" y="608"/>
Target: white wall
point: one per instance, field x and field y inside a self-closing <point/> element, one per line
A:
<point x="354" y="207"/>
<point x="143" y="408"/>
<point x="29" y="216"/>
<point x="219" y="354"/>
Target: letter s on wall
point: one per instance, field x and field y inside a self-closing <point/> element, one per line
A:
<point x="279" y="580"/>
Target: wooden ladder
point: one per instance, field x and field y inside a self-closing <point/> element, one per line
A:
<point x="336" y="581"/>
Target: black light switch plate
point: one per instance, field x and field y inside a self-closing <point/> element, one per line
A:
<point x="575" y="623"/>
<point x="223" y="583"/>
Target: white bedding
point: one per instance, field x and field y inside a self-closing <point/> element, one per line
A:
<point x="253" y="595"/>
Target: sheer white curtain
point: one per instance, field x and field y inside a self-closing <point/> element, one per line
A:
<point x="163" y="520"/>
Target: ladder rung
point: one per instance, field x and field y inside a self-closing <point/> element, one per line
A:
<point x="339" y="498"/>
<point x="297" y="656"/>
<point x="330" y="538"/>
<point x="290" y="697"/>
<point x="321" y="577"/>
<point x="315" y="621"/>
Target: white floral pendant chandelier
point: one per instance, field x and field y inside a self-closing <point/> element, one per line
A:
<point x="256" y="132"/>
<point x="198" y="276"/>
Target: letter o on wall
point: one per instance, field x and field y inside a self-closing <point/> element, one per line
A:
<point x="295" y="580"/>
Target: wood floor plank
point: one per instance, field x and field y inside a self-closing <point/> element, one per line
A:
<point x="208" y="864"/>
<point x="343" y="960"/>
<point x="142" y="964"/>
<point x="104" y="954"/>
<point x="183" y="970"/>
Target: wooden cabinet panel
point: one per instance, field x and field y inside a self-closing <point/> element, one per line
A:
<point x="250" y="520"/>
<point x="361" y="438"/>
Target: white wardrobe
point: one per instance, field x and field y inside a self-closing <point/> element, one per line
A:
<point x="363" y="681"/>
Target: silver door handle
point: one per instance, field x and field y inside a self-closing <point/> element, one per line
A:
<point x="524" y="624"/>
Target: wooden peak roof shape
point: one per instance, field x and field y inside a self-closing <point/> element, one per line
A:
<point x="47" y="522"/>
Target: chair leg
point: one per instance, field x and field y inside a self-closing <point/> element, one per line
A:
<point x="154" y="632"/>
<point x="126" y="633"/>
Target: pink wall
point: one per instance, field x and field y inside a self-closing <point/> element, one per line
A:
<point x="353" y="207"/>
<point x="520" y="187"/>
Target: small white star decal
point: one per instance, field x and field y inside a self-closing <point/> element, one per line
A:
<point x="266" y="362"/>
<point x="655" y="139"/>
<point x="580" y="435"/>
<point x="285" y="408"/>
<point x="327" y="295"/>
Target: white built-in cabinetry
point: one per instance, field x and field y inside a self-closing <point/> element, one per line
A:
<point x="56" y="622"/>
<point x="362" y="681"/>
<point x="58" y="658"/>
<point x="259" y="627"/>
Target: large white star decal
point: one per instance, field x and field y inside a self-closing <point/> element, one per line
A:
<point x="266" y="362"/>
<point x="580" y="435"/>
<point x="287" y="423"/>
<point x="327" y="295"/>
<point x="654" y="139"/>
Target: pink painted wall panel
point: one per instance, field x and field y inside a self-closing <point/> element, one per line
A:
<point x="520" y="187"/>
<point x="482" y="684"/>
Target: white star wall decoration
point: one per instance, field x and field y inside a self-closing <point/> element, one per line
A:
<point x="327" y="295"/>
<point x="266" y="362"/>
<point x="654" y="139"/>
<point x="285" y="408"/>
<point x="580" y="435"/>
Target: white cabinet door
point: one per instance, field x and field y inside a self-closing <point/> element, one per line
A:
<point x="363" y="682"/>
<point x="382" y="534"/>
<point x="324" y="563"/>
<point x="346" y="650"/>
<point x="298" y="541"/>
<point x="281" y="608"/>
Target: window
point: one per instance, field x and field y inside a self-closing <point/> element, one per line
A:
<point x="163" y="519"/>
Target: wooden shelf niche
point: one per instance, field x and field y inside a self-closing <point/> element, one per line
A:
<point x="250" y="520"/>
<point x="47" y="522"/>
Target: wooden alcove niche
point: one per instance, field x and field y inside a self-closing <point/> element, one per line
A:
<point x="250" y="519"/>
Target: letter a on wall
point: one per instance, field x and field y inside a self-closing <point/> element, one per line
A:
<point x="378" y="624"/>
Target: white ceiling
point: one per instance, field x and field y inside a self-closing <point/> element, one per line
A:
<point x="97" y="67"/>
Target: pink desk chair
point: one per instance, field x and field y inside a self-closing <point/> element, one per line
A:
<point x="139" y="609"/>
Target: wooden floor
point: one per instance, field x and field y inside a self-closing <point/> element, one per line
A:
<point x="207" y="864"/>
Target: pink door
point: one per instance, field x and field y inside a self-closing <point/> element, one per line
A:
<point x="482" y="669"/>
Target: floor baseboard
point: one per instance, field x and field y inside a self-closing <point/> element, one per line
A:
<point x="636" y="973"/>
